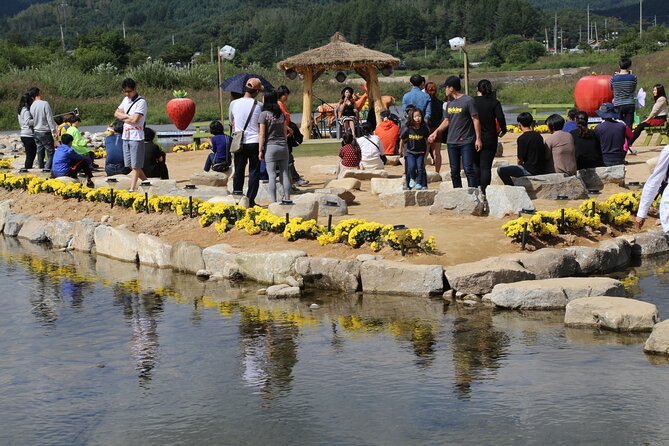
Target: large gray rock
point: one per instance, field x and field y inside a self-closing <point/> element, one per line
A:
<point x="13" y="223"/>
<point x="386" y="277"/>
<point x="268" y="267"/>
<point x="220" y="261"/>
<point x="305" y="209"/>
<point x="327" y="204"/>
<point x="323" y="169"/>
<point x="203" y="193"/>
<point x="658" y="342"/>
<point x="239" y="200"/>
<point x="408" y="198"/>
<point x="5" y="208"/>
<point x="610" y="255"/>
<point x="59" y="232"/>
<point x="283" y="291"/>
<point x="547" y="263"/>
<point x="34" y="230"/>
<point x="342" y="193"/>
<point x="345" y="183"/>
<point x="84" y="235"/>
<point x="552" y="185"/>
<point x="159" y="187"/>
<point x="650" y="244"/>
<point x="434" y="177"/>
<point x="458" y="202"/>
<point x="552" y="294"/>
<point x="153" y="251"/>
<point x="507" y="200"/>
<point x="187" y="257"/>
<point x="329" y="274"/>
<point x="596" y="178"/>
<point x="611" y="313"/>
<point x="480" y="277"/>
<point x="264" y="195"/>
<point x="387" y="185"/>
<point x="365" y="174"/>
<point x="117" y="243"/>
<point x="67" y="179"/>
<point x="218" y="179"/>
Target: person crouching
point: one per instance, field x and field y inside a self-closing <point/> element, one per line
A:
<point x="68" y="163"/>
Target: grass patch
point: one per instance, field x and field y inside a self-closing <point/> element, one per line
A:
<point x="317" y="149"/>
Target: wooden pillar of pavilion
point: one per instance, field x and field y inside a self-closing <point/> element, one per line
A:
<point x="374" y="91"/>
<point x="307" y="99"/>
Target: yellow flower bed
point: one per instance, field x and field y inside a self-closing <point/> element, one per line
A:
<point x="6" y="163"/>
<point x="352" y="232"/>
<point x="615" y="210"/>
<point x="191" y="147"/>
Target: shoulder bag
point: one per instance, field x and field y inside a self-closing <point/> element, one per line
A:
<point x="237" y="136"/>
<point x="382" y="155"/>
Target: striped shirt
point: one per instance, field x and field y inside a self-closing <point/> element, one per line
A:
<point x="623" y="86"/>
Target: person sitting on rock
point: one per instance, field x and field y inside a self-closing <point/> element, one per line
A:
<point x="389" y="133"/>
<point x="560" y="150"/>
<point x="613" y="135"/>
<point x="155" y="165"/>
<point x="68" y="163"/>
<point x="371" y="149"/>
<point x="219" y="160"/>
<point x="349" y="153"/>
<point x="531" y="152"/>
<point x="114" y="147"/>
<point x="588" y="152"/>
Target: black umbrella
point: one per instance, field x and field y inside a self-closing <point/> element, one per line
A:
<point x="236" y="83"/>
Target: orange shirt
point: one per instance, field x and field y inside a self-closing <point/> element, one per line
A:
<point x="388" y="132"/>
<point x="284" y="109"/>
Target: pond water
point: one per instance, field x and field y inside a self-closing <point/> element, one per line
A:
<point x="94" y="351"/>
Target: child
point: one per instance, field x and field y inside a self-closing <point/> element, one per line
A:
<point x="531" y="152"/>
<point x="68" y="163"/>
<point x="349" y="153"/>
<point x="219" y="160"/>
<point x="155" y="165"/>
<point x="114" y="147"/>
<point x="413" y="145"/>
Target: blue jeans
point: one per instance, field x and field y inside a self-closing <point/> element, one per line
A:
<point x="247" y="154"/>
<point x="466" y="152"/>
<point x="416" y="168"/>
<point x="506" y="172"/>
<point x="45" y="147"/>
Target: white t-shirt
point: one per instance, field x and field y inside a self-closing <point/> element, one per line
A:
<point x="134" y="132"/>
<point x="239" y="113"/>
<point x="367" y="147"/>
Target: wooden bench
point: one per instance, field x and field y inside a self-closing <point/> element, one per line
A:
<point x="199" y="134"/>
<point x="536" y="108"/>
<point x="660" y="131"/>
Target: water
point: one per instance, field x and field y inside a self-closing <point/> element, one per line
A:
<point x="95" y="352"/>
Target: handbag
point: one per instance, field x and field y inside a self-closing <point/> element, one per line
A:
<point x="238" y="136"/>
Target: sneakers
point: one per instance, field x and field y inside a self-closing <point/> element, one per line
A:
<point x="418" y="187"/>
<point x="302" y="182"/>
<point x="412" y="183"/>
<point x="89" y="183"/>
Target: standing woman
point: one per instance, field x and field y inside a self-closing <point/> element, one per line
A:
<point x="658" y="114"/>
<point x="27" y="134"/>
<point x="436" y="116"/>
<point x="273" y="144"/>
<point x="348" y="114"/>
<point x="493" y="126"/>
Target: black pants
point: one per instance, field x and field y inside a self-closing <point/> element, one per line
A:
<point x="80" y="166"/>
<point x="30" y="147"/>
<point x="626" y="113"/>
<point x="247" y="155"/>
<point x="483" y="163"/>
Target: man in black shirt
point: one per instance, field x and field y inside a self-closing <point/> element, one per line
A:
<point x="531" y="153"/>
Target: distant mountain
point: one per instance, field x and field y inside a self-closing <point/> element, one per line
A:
<point x="652" y="9"/>
<point x="597" y="5"/>
<point x="11" y="7"/>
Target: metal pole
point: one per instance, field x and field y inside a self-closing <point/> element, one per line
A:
<point x="640" y="17"/>
<point x="218" y="86"/>
<point x="524" y="239"/>
<point x="329" y="222"/>
<point x="466" y="62"/>
<point x="111" y="201"/>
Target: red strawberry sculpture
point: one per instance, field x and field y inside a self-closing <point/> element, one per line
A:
<point x="181" y="109"/>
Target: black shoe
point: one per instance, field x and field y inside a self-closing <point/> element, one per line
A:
<point x="89" y="183"/>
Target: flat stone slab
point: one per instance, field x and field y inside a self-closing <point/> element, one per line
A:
<point x="610" y="255"/>
<point x="365" y="174"/>
<point x="203" y="193"/>
<point x="268" y="267"/>
<point x="305" y="209"/>
<point x="386" y="277"/>
<point x="218" y="179"/>
<point x="552" y="294"/>
<point x="122" y="182"/>
<point x="547" y="263"/>
<point x="480" y="277"/>
<point x="264" y="195"/>
<point x="611" y="313"/>
<point x="393" y="160"/>
<point x="240" y="200"/>
<point x="117" y="243"/>
<point x="387" y="185"/>
<point x="325" y="273"/>
<point x="507" y="200"/>
<point x="408" y="198"/>
<point x="458" y="202"/>
<point x="345" y="183"/>
<point x="283" y="291"/>
<point x="658" y="342"/>
<point x="596" y="178"/>
<point x="324" y="169"/>
<point x="651" y="243"/>
<point x="153" y="251"/>
<point x="342" y="193"/>
<point x="327" y="204"/>
<point x="552" y="185"/>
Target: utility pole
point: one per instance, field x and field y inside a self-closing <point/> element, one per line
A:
<point x="436" y="44"/>
<point x="640" y="17"/>
<point x="211" y="53"/>
<point x="606" y="29"/>
<point x="172" y="39"/>
<point x="579" y="34"/>
<point x="62" y="37"/>
<point x="123" y="23"/>
<point x="596" y="35"/>
<point x="546" y="31"/>
<point x="555" y="35"/>
<point x="561" y="41"/>
<point x="588" y="24"/>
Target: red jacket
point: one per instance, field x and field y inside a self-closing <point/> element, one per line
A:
<point x="389" y="133"/>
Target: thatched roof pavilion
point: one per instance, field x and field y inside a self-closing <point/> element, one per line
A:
<point x="338" y="55"/>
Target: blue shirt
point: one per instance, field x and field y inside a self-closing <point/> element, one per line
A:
<point x="114" y="148"/>
<point x="63" y="160"/>
<point x="569" y="126"/>
<point x="220" y="145"/>
<point x="419" y="99"/>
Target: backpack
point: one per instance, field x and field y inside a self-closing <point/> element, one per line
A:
<point x="297" y="138"/>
